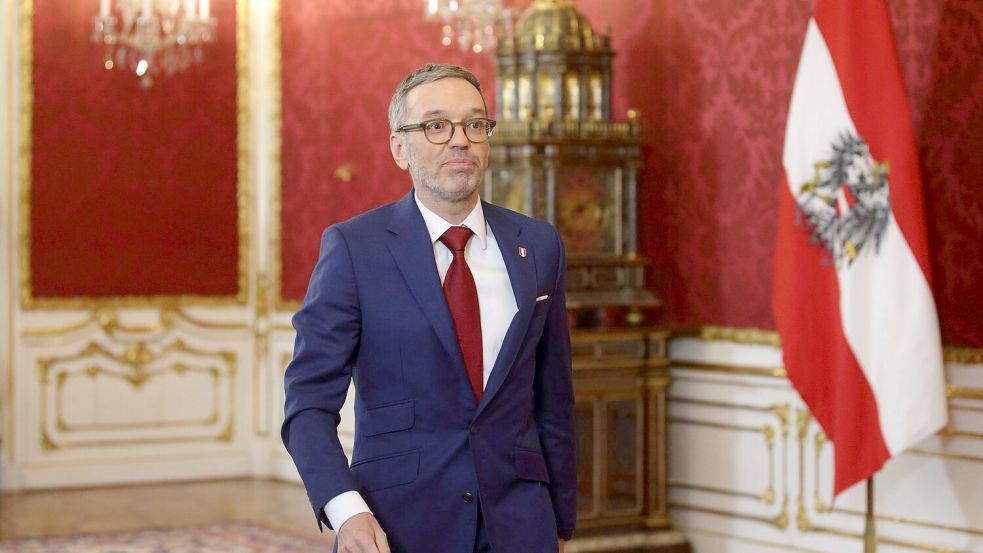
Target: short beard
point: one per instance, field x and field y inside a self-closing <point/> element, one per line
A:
<point x="430" y="182"/>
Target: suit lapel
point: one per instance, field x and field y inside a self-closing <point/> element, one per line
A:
<point x="522" y="274"/>
<point x="413" y="251"/>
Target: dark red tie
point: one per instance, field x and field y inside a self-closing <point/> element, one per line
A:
<point x="462" y="299"/>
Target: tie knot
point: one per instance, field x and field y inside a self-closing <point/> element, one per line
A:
<point x="456" y="238"/>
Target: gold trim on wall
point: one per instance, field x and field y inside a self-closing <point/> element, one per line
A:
<point x="279" y="302"/>
<point x="261" y="350"/>
<point x="962" y="355"/>
<point x="11" y="20"/>
<point x="137" y="356"/>
<point x="805" y="524"/>
<point x="93" y="371"/>
<point x="739" y="335"/>
<point x="963" y="392"/>
<point x="781" y="412"/>
<point x="108" y="319"/>
<point x="756" y="336"/>
<point x="243" y="139"/>
<point x="776" y="372"/>
<point x="779" y="521"/>
<point x="946" y="455"/>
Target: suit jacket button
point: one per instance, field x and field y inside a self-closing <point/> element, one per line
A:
<point x="468" y="497"/>
<point x="473" y="429"/>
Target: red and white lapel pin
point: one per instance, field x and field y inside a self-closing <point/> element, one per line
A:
<point x="522" y="251"/>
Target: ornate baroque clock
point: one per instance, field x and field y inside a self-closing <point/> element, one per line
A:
<point x="557" y="155"/>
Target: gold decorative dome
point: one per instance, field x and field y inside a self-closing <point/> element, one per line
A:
<point x="555" y="25"/>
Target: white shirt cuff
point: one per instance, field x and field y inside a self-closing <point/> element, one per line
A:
<point x="343" y="507"/>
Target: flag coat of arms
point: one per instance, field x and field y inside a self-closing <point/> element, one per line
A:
<point x="853" y="292"/>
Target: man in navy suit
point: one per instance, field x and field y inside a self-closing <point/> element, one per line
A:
<point x="449" y="314"/>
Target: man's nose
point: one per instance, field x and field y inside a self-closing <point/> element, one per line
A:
<point x="459" y="138"/>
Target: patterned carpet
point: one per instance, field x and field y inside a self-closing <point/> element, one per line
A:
<point x="222" y="538"/>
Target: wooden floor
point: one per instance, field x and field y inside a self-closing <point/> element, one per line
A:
<point x="92" y="510"/>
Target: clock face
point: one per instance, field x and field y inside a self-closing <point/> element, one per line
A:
<point x="588" y="209"/>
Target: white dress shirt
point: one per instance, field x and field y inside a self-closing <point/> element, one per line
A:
<point x="496" y="305"/>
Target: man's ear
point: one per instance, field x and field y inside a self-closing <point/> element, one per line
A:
<point x="398" y="149"/>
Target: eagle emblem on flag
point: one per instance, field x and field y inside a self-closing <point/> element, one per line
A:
<point x="847" y="204"/>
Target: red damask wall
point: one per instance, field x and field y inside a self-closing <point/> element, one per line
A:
<point x="341" y="61"/>
<point x="133" y="191"/>
<point x="712" y="79"/>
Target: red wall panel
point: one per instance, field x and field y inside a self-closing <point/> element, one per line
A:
<point x="133" y="191"/>
<point x="341" y="62"/>
<point x="712" y="79"/>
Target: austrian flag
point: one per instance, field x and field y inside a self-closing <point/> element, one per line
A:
<point x="853" y="290"/>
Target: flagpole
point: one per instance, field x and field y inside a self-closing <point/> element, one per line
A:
<point x="870" y="530"/>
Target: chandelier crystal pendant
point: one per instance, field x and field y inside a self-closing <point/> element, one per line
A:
<point x="478" y="24"/>
<point x="153" y="37"/>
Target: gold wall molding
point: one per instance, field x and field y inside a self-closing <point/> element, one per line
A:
<point x="738" y="335"/>
<point x="779" y="521"/>
<point x="775" y="372"/>
<point x="805" y="524"/>
<point x="949" y="432"/>
<point x="963" y="392"/>
<point x="137" y="357"/>
<point x="768" y="432"/>
<point x="756" y="336"/>
<point x="280" y="304"/>
<point x="108" y="319"/>
<point x="963" y="355"/>
<point x="261" y="348"/>
<point x="243" y="139"/>
<point x="946" y="455"/>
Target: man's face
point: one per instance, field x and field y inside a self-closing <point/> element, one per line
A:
<point x="448" y="172"/>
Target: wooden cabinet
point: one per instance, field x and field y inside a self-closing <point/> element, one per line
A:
<point x="620" y="381"/>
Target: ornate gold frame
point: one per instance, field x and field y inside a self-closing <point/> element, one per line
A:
<point x="9" y="16"/>
<point x="27" y="299"/>
<point x="805" y="524"/>
<point x="769" y="433"/>
<point x="137" y="357"/>
<point x="759" y="337"/>
<point x="276" y="250"/>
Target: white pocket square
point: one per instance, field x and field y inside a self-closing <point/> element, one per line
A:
<point x="541" y="298"/>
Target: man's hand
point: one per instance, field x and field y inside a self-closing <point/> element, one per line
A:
<point x="562" y="544"/>
<point x="362" y="534"/>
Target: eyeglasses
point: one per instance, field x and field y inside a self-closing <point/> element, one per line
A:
<point x="441" y="131"/>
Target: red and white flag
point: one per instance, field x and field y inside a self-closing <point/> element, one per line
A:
<point x="853" y="290"/>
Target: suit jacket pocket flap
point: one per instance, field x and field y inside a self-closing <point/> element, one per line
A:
<point x="388" y="418"/>
<point x="384" y="472"/>
<point x="530" y="465"/>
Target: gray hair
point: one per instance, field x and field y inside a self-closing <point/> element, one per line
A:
<point x="427" y="74"/>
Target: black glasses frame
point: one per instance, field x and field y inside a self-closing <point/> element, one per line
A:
<point x="422" y="126"/>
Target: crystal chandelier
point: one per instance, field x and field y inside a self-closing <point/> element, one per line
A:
<point x="152" y="37"/>
<point x="479" y="24"/>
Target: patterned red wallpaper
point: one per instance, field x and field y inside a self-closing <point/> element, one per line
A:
<point x="341" y="62"/>
<point x="133" y="191"/>
<point x="712" y="79"/>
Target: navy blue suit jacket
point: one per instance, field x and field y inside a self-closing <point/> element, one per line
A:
<point x="375" y="312"/>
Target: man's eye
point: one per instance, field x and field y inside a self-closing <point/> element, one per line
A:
<point x="476" y="124"/>
<point x="436" y="126"/>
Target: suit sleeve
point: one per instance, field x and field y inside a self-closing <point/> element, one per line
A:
<point x="554" y="403"/>
<point x="317" y="379"/>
